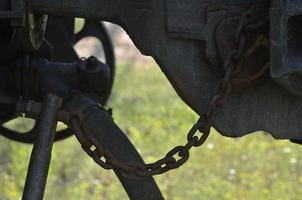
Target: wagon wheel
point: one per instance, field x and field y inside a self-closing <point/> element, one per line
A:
<point x="62" y="38"/>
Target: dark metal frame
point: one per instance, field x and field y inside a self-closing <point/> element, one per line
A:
<point x="170" y="31"/>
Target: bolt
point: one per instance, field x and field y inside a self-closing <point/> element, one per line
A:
<point x="92" y="63"/>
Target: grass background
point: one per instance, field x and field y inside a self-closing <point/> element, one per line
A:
<point x="155" y="119"/>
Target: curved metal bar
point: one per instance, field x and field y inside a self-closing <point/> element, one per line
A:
<point x="114" y="140"/>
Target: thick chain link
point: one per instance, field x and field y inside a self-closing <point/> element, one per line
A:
<point x="180" y="154"/>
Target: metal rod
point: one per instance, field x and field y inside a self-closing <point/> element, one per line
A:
<point x="112" y="138"/>
<point x="41" y="153"/>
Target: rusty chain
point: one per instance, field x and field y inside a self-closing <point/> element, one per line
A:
<point x="180" y="154"/>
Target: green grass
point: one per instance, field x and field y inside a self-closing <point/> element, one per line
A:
<point x="153" y="116"/>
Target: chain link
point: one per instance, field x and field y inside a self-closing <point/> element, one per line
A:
<point x="180" y="154"/>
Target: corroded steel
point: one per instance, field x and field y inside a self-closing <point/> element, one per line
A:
<point x="105" y="159"/>
<point x="206" y="48"/>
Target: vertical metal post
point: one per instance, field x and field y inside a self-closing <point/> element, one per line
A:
<point x="41" y="153"/>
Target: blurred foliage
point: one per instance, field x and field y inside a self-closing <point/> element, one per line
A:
<point x="153" y="116"/>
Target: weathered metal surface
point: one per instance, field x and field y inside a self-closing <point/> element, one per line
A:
<point x="147" y="28"/>
<point x="268" y="106"/>
<point x="104" y="158"/>
<point x="59" y="33"/>
<point x="119" y="145"/>
<point x="286" y="44"/>
<point x="32" y="81"/>
<point x="257" y="108"/>
<point x="113" y="139"/>
<point x="188" y="70"/>
<point x="41" y="153"/>
<point x="21" y="88"/>
<point x="196" y="43"/>
<point x="32" y="78"/>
